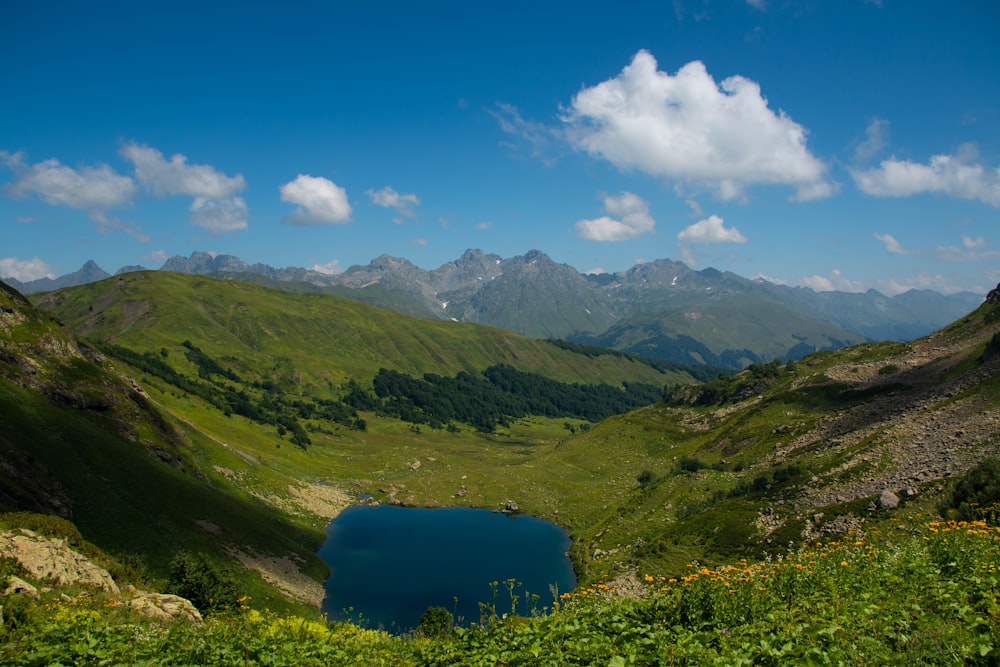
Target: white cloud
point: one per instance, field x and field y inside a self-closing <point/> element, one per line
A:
<point x="950" y="253"/>
<point x="485" y="224"/>
<point x="970" y="242"/>
<point x="951" y="175"/>
<point x="876" y="137"/>
<point x="156" y="257"/>
<point x="771" y="279"/>
<point x="687" y="127"/>
<point x="25" y="269"/>
<point x="387" y="197"/>
<point x="177" y="177"/>
<point x="836" y="281"/>
<point x="320" y="201"/>
<point x="330" y="268"/>
<point x="107" y="224"/>
<point x="922" y="280"/>
<point x="892" y="245"/>
<point x="538" y="138"/>
<point x="711" y="230"/>
<point x="419" y="241"/>
<point x="219" y="215"/>
<point x="696" y="211"/>
<point x="688" y="256"/>
<point x="632" y="219"/>
<point x="758" y="4"/>
<point x="59" y="185"/>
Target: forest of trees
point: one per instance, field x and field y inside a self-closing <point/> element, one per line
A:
<point x="484" y="401"/>
<point x="499" y="395"/>
<point x="261" y="402"/>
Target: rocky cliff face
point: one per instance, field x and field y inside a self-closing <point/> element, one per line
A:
<point x="50" y="561"/>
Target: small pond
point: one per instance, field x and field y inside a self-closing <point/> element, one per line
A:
<point x="389" y="564"/>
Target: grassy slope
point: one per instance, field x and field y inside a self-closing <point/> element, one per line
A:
<point x="586" y="482"/>
<point x="765" y="328"/>
<point x="324" y="340"/>
<point x="124" y="500"/>
<point x="76" y="439"/>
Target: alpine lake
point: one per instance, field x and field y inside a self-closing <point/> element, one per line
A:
<point x="389" y="564"/>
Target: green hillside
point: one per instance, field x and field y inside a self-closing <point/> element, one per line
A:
<point x="769" y="463"/>
<point x="730" y="331"/>
<point x="80" y="441"/>
<point x="321" y="340"/>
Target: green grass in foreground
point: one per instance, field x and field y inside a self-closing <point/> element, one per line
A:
<point x="914" y="593"/>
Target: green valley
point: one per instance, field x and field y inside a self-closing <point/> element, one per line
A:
<point x="235" y="420"/>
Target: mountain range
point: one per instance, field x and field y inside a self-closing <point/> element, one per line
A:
<point x="661" y="309"/>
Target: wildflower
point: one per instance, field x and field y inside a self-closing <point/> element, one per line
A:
<point x="843" y="563"/>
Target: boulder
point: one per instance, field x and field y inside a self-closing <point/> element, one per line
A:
<point x="51" y="558"/>
<point x="18" y="586"/>
<point x="887" y="500"/>
<point x="161" y="606"/>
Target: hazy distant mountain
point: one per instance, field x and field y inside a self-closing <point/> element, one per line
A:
<point x="90" y="272"/>
<point x="662" y="309"/>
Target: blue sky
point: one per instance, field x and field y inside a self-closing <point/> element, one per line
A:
<point x="837" y="144"/>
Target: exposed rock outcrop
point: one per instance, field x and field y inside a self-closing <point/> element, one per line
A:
<point x="52" y="560"/>
<point x="161" y="606"/>
<point x="47" y="558"/>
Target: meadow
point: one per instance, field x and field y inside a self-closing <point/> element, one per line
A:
<point x="913" y="591"/>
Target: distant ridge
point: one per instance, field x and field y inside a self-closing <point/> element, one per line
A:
<point x="661" y="309"/>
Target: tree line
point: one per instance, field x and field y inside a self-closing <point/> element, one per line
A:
<point x="499" y="395"/>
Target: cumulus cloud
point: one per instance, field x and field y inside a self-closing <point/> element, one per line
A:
<point x="320" y="201"/>
<point x="330" y="268"/>
<point x="688" y="127"/>
<point x="836" y="281"/>
<point x="215" y="205"/>
<point x="950" y="175"/>
<point x="219" y="215"/>
<point x="387" y="197"/>
<point x="176" y="177"/>
<point x="711" y="230"/>
<point x="59" y="185"/>
<point x="631" y="219"/>
<point x="892" y="245"/>
<point x="25" y="270"/>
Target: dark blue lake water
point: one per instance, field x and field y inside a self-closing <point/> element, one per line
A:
<point x="389" y="564"/>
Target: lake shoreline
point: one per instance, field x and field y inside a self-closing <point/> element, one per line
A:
<point x="390" y="563"/>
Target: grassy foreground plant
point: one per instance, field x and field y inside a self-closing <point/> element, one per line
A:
<point x="913" y="594"/>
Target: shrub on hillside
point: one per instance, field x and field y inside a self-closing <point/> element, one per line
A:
<point x="976" y="495"/>
<point x="206" y="584"/>
<point x="436" y="622"/>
